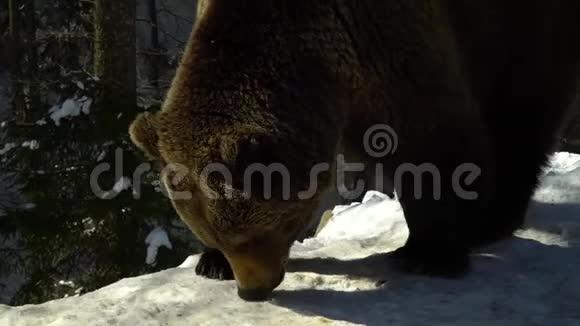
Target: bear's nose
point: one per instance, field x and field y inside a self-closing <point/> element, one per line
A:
<point x="259" y="294"/>
<point x="254" y="295"/>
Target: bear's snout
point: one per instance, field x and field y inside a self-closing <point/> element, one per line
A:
<point x="258" y="294"/>
<point x="254" y="295"/>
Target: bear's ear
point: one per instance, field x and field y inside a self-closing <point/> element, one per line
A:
<point x="143" y="134"/>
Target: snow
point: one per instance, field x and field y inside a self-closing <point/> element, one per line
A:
<point x="90" y="227"/>
<point x="80" y="85"/>
<point x="102" y="156"/>
<point x="122" y="184"/>
<point x="156" y="239"/>
<point x="342" y="277"/>
<point x="71" y="107"/>
<point x="31" y="144"/>
<point x="7" y="148"/>
<point x="372" y="220"/>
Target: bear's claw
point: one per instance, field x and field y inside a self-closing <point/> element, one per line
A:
<point x="214" y="265"/>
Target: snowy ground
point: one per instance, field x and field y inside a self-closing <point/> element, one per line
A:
<point x="341" y="278"/>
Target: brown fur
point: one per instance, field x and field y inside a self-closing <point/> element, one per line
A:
<point x="292" y="82"/>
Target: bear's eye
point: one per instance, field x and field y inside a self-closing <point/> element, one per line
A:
<point x="253" y="142"/>
<point x="236" y="149"/>
<point x="255" y="149"/>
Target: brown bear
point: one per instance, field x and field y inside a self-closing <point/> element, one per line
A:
<point x="473" y="93"/>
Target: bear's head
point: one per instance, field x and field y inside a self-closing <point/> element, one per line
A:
<point x="239" y="189"/>
<point x="247" y="134"/>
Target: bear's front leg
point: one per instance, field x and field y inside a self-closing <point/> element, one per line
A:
<point x="214" y="265"/>
<point x="433" y="256"/>
<point x="444" y="182"/>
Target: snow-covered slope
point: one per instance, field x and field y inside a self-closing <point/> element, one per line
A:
<point x="341" y="278"/>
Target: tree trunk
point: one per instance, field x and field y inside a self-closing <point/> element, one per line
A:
<point x="156" y="49"/>
<point x="24" y="60"/>
<point x="30" y="70"/>
<point x="4" y="34"/>
<point x="18" y="101"/>
<point x="115" y="62"/>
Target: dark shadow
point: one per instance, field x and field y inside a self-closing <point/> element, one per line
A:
<point x="542" y="216"/>
<point x="515" y="270"/>
<point x="355" y="268"/>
